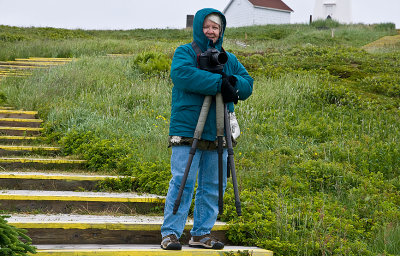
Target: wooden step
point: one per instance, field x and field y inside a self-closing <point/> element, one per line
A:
<point x="41" y="163"/>
<point x="4" y="113"/>
<point x="50" y="181"/>
<point x="14" y="74"/>
<point x="19" y="131"/>
<point x="31" y="63"/>
<point x="20" y="67"/>
<point x="18" y="140"/>
<point x="144" y="250"/>
<point x="20" y="122"/>
<point x="6" y="107"/>
<point x="43" y="59"/>
<point x="21" y="150"/>
<point x="70" y="202"/>
<point x="100" y="229"/>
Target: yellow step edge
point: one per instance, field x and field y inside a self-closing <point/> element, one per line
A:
<point x="14" y="75"/>
<point x="42" y="161"/>
<point x="51" y="177"/>
<point x="21" y="120"/>
<point x="11" y="76"/>
<point x="33" y="63"/>
<point x="9" y="111"/>
<point x="83" y="198"/>
<point x="150" y="252"/>
<point x="29" y="148"/>
<point x="45" y="59"/>
<point x="4" y="74"/>
<point x="57" y="58"/>
<point x="19" y="138"/>
<point x="21" y="128"/>
<point x="28" y="64"/>
<point x="108" y="226"/>
<point x="49" y="58"/>
<point x="13" y="71"/>
<point x="15" y="66"/>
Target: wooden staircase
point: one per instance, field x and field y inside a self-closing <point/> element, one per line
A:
<point x="24" y="67"/>
<point x="56" y="200"/>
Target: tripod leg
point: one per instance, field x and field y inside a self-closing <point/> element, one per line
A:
<point x="220" y="176"/>
<point x="197" y="135"/>
<point x="228" y="169"/>
<point x="220" y="135"/>
<point x="231" y="162"/>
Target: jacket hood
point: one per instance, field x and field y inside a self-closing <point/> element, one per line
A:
<point x="198" y="36"/>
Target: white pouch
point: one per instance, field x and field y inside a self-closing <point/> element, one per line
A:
<point x="235" y="129"/>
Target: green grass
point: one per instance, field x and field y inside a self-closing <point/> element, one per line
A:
<point x="318" y="159"/>
<point x="388" y="239"/>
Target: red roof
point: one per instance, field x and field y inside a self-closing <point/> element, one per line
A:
<point x="274" y="4"/>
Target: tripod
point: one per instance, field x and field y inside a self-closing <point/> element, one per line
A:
<point x="222" y="124"/>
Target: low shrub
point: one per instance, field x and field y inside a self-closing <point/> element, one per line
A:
<point x="385" y="84"/>
<point x="325" y="24"/>
<point x="122" y="156"/>
<point x="121" y="184"/>
<point x="152" y="63"/>
<point x="5" y="37"/>
<point x="385" y="26"/>
<point x="3" y="98"/>
<point x="14" y="241"/>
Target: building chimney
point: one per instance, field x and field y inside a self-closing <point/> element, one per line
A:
<point x="189" y="21"/>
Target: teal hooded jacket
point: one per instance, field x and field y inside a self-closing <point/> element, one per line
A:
<point x="192" y="84"/>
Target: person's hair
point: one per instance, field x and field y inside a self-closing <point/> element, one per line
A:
<point x="216" y="18"/>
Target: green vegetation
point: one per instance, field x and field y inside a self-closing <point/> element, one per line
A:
<point x="318" y="161"/>
<point x="13" y="241"/>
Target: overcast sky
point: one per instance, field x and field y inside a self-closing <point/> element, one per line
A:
<point x="129" y="14"/>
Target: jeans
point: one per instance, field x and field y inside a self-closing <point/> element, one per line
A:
<point x="205" y="168"/>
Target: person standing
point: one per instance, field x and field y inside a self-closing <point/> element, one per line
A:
<point x="191" y="85"/>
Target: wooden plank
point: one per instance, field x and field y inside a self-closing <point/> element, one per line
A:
<point x="20" y="122"/>
<point x="49" y="181"/>
<point x="47" y="184"/>
<point x="131" y="229"/>
<point x="41" y="164"/>
<point x="18" y="140"/>
<point x="83" y="207"/>
<point x="23" y="150"/>
<point x="145" y="250"/>
<point x="4" y="113"/>
<point x="19" y="131"/>
<point x="104" y="236"/>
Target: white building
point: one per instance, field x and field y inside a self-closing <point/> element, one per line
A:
<point x="241" y="13"/>
<point x="339" y="10"/>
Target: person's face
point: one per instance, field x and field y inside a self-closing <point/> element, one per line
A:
<point x="211" y="30"/>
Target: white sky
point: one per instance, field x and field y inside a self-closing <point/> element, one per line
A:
<point x="129" y="14"/>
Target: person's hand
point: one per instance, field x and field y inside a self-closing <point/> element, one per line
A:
<point x="228" y="91"/>
<point x="232" y="79"/>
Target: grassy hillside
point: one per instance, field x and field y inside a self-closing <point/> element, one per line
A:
<point x="318" y="160"/>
